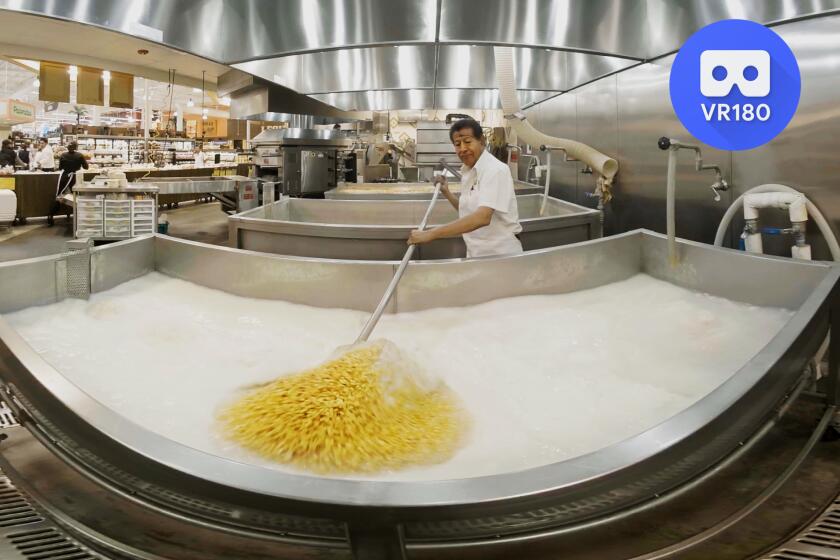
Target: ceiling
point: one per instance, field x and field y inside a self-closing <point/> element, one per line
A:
<point x="68" y="42"/>
<point x="342" y="51"/>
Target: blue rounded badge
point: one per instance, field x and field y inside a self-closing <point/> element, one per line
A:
<point x="735" y="84"/>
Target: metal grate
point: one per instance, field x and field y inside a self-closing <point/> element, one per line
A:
<point x="15" y="509"/>
<point x="77" y="260"/>
<point x="27" y="535"/>
<point x="47" y="544"/>
<point x="7" y="417"/>
<point x="819" y="541"/>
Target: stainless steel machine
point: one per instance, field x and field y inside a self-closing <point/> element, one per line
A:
<point x="303" y="161"/>
<point x="702" y="484"/>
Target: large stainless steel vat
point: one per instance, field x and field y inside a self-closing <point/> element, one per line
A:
<point x="406" y="191"/>
<point x="122" y="489"/>
<point x="377" y="229"/>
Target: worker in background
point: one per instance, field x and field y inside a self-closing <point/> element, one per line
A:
<point x="69" y="163"/>
<point x="44" y="159"/>
<point x="487" y="209"/>
<point x="8" y="156"/>
<point x="199" y="157"/>
<point x="23" y="154"/>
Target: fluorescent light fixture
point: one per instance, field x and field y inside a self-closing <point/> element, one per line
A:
<point x="73" y="71"/>
<point x="204" y="117"/>
<point x="205" y="111"/>
<point x="36" y="83"/>
<point x="106" y="76"/>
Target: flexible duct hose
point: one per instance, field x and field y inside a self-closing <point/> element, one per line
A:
<point x="813" y="211"/>
<point x="600" y="163"/>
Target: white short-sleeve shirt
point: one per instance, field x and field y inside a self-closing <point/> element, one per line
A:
<point x="489" y="183"/>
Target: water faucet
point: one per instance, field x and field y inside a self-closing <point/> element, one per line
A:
<point x="720" y="183"/>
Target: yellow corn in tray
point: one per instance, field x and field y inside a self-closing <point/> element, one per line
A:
<point x="364" y="411"/>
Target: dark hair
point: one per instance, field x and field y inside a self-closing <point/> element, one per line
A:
<point x="42" y="139"/>
<point x="472" y="124"/>
<point x="7" y="144"/>
<point x="72" y="146"/>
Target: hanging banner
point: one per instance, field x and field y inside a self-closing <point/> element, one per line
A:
<point x="90" y="86"/>
<point x="121" y="90"/>
<point x="55" y="82"/>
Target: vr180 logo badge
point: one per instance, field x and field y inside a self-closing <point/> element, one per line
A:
<point x="735" y="85"/>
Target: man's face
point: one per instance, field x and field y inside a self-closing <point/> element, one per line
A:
<point x="467" y="146"/>
<point x="42" y="144"/>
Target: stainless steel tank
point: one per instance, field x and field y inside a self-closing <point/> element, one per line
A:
<point x="122" y="490"/>
<point x="406" y="191"/>
<point x="378" y="229"/>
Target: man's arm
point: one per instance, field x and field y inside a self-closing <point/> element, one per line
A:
<point x="468" y="223"/>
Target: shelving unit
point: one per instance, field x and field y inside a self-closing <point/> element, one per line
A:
<point x="114" y="213"/>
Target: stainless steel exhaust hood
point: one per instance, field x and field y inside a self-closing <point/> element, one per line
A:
<point x="256" y="99"/>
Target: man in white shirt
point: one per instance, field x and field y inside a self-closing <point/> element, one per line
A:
<point x="488" y="216"/>
<point x="199" y="157"/>
<point x="44" y="159"/>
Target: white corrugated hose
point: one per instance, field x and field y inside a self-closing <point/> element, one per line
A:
<point x="602" y="164"/>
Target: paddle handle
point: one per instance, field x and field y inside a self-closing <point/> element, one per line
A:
<point x="389" y="292"/>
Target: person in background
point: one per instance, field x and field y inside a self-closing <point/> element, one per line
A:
<point x="23" y="154"/>
<point x="44" y="159"/>
<point x="8" y="156"/>
<point x="69" y="164"/>
<point x="487" y="209"/>
<point x="199" y="157"/>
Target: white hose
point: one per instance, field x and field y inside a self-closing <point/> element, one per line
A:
<point x="813" y="211"/>
<point x="602" y="164"/>
<point x="547" y="182"/>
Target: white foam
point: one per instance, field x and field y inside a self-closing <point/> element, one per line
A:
<point x="545" y="378"/>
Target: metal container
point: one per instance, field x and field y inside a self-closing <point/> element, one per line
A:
<point x="124" y="489"/>
<point x="377" y="229"/>
<point x="406" y="191"/>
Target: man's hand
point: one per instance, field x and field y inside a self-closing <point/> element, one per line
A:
<point x="418" y="237"/>
<point x="444" y="183"/>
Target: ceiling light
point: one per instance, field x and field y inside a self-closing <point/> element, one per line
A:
<point x="190" y="103"/>
<point x="196" y="90"/>
<point x="73" y="71"/>
<point x="106" y="76"/>
<point x="175" y="114"/>
<point x="204" y="117"/>
<point x="36" y="83"/>
<point x="205" y="111"/>
<point x="224" y="100"/>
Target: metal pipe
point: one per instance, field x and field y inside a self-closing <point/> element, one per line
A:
<point x="673" y="146"/>
<point x="670" y="205"/>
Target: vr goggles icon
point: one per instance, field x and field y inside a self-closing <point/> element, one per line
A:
<point x="722" y="69"/>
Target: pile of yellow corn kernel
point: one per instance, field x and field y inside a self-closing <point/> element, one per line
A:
<point x="353" y="414"/>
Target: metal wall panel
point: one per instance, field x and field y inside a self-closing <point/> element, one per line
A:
<point x="801" y="157"/>
<point x="545" y="23"/>
<point x="379" y="100"/>
<point x="403" y="67"/>
<point x="558" y="117"/>
<point x="597" y="126"/>
<point x="670" y="23"/>
<point x="804" y="156"/>
<point x="644" y="115"/>
<point x="472" y="66"/>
